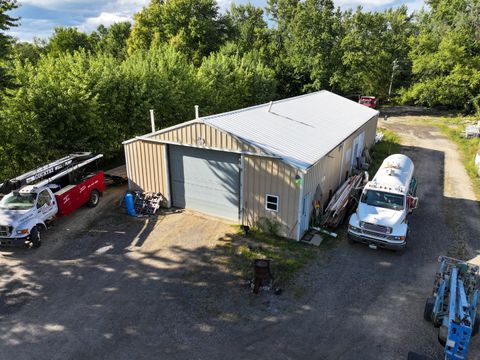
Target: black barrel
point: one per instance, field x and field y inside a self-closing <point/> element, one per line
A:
<point x="261" y="271"/>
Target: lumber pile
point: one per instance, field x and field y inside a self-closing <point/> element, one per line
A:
<point x="341" y="201"/>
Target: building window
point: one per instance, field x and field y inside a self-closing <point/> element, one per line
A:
<point x="272" y="203"/>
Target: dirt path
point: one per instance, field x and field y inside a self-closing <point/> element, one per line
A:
<point x="456" y="180"/>
<point x="460" y="206"/>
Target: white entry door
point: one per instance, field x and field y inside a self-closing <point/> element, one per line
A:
<point x="306" y="211"/>
<point x="358" y="146"/>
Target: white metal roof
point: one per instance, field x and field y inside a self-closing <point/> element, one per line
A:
<point x="301" y="130"/>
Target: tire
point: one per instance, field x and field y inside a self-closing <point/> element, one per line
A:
<point x="476" y="325"/>
<point x="429" y="304"/>
<point x="35" y="237"/>
<point x="94" y="199"/>
<point x="443" y="335"/>
<point x="442" y="342"/>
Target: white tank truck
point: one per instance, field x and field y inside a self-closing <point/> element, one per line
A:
<point x="381" y="218"/>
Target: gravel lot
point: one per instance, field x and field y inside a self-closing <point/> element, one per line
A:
<point x="106" y="286"/>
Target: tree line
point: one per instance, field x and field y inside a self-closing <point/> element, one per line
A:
<point x="77" y="91"/>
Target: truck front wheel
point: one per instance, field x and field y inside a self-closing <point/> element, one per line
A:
<point x="94" y="199"/>
<point x="35" y="237"/>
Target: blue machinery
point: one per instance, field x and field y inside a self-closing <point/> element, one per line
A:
<point x="452" y="308"/>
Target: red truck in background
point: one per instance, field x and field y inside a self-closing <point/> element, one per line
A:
<point x="369" y="101"/>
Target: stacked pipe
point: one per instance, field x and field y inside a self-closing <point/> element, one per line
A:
<point x="339" y="204"/>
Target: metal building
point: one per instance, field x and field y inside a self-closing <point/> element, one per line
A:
<point x="266" y="161"/>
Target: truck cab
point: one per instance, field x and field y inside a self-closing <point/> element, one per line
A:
<point x="381" y="216"/>
<point x="23" y="213"/>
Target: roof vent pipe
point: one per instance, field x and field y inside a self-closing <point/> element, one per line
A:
<point x="197" y="114"/>
<point x="270" y="106"/>
<point x="152" y="119"/>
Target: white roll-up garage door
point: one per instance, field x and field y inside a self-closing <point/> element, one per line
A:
<point x="205" y="180"/>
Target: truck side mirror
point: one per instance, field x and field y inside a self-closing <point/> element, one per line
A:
<point x="412" y="202"/>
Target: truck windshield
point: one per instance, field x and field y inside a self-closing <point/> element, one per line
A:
<point x="16" y="201"/>
<point x="383" y="199"/>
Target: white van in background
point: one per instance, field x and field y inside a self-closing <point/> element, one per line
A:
<point x="381" y="217"/>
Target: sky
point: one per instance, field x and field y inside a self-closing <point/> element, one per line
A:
<point x="39" y="17"/>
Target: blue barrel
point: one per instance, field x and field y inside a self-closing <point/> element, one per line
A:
<point x="130" y="203"/>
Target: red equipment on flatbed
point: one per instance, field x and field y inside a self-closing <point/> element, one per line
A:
<point x="71" y="197"/>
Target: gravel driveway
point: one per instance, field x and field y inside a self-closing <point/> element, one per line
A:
<point x="158" y="289"/>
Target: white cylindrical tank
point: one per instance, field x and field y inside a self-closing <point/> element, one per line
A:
<point x="395" y="171"/>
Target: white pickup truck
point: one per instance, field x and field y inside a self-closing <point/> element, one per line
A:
<point x="26" y="211"/>
<point x="381" y="216"/>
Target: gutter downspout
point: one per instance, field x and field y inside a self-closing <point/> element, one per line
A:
<point x="300" y="207"/>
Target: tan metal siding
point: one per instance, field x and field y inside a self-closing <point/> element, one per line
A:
<point x="142" y="155"/>
<point x="146" y="161"/>
<point x="191" y="134"/>
<point x="371" y="132"/>
<point x="270" y="176"/>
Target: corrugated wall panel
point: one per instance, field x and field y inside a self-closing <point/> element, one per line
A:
<point x="146" y="160"/>
<point x="270" y="176"/>
<point x="212" y="137"/>
<point x="142" y="155"/>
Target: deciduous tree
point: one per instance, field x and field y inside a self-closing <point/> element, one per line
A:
<point x="6" y="22"/>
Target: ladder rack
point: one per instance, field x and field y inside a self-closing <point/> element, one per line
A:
<point x="48" y="172"/>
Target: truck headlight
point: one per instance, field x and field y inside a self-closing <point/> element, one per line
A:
<point x="23" y="232"/>
<point x="397" y="238"/>
<point x="354" y="228"/>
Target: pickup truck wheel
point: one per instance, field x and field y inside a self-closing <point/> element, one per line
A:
<point x="94" y="199"/>
<point x="35" y="237"/>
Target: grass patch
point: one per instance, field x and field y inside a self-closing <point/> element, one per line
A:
<point x="389" y="145"/>
<point x="454" y="128"/>
<point x="287" y="256"/>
